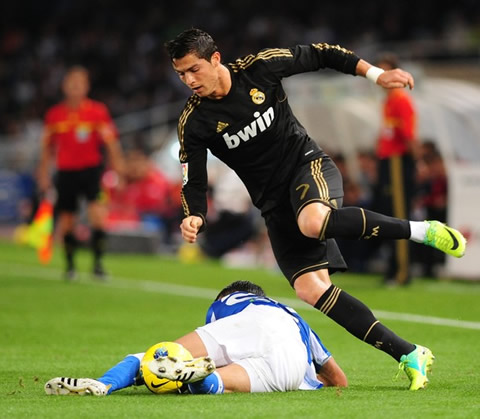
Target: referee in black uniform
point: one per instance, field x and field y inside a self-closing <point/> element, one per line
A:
<point x="240" y="112"/>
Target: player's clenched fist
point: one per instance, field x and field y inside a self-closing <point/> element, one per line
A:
<point x="189" y="227"/>
<point x="396" y="78"/>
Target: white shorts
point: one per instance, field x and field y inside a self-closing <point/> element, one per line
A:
<point x="265" y="341"/>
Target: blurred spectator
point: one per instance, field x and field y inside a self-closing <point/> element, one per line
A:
<point x="367" y="177"/>
<point x="432" y="199"/>
<point x="235" y="234"/>
<point x="76" y="133"/>
<point x="341" y="164"/>
<point x="396" y="150"/>
<point x="147" y="199"/>
<point x="232" y="219"/>
<point x="122" y="46"/>
<point x="422" y="179"/>
<point x="356" y="256"/>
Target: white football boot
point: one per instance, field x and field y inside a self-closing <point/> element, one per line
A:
<point x="62" y="386"/>
<point x="175" y="369"/>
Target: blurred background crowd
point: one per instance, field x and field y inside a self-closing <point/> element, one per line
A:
<point x="121" y="44"/>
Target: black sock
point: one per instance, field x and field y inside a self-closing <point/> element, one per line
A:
<point x="359" y="223"/>
<point x="358" y="319"/>
<point x="98" y="245"/>
<point x="70" y="244"/>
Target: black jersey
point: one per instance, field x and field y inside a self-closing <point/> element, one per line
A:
<point x="252" y="129"/>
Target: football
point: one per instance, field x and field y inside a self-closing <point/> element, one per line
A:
<point x="162" y="385"/>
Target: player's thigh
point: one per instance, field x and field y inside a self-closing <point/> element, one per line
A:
<point x="67" y="191"/>
<point x="235" y="378"/>
<point x="90" y="183"/>
<point x="316" y="181"/>
<point x="295" y="253"/>
<point x="194" y="344"/>
<point x="310" y="286"/>
<point x="231" y="338"/>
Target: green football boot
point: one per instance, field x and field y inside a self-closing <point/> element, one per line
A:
<point x="416" y="365"/>
<point x="446" y="239"/>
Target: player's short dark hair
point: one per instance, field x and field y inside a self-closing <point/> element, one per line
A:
<point x="191" y="41"/>
<point x="243" y="286"/>
<point x="388" y="58"/>
<point x="77" y="69"/>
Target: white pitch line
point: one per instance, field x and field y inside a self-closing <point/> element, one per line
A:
<point x="205" y="293"/>
<point x="405" y="317"/>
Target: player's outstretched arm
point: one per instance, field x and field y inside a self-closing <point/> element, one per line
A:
<point x="331" y="375"/>
<point x="389" y="79"/>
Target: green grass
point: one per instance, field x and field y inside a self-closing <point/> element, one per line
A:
<point x="50" y="328"/>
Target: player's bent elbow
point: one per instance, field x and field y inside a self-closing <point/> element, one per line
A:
<point x="341" y="381"/>
<point x="331" y="375"/>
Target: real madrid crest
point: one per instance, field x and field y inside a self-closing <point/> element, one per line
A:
<point x="258" y="97"/>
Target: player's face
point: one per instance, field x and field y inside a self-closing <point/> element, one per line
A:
<point x="76" y="85"/>
<point x="198" y="74"/>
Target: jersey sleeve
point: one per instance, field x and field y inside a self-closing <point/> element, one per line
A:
<point x="285" y="62"/>
<point x="320" y="354"/>
<point x="193" y="158"/>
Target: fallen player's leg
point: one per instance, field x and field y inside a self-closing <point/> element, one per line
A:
<point x="185" y="371"/>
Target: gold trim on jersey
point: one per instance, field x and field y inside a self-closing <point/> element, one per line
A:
<point x="243" y="63"/>
<point x="192" y="103"/>
<point x="186" y="209"/>
<point x="317" y="175"/>
<point x="324" y="45"/>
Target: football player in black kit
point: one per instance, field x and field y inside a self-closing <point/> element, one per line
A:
<point x="240" y="112"/>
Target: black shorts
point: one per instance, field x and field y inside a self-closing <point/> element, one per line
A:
<point x="296" y="254"/>
<point x="75" y="184"/>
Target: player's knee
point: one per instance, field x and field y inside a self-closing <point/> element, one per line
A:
<point x="305" y="296"/>
<point x="310" y="286"/>
<point x="308" y="294"/>
<point x="312" y="218"/>
<point x="311" y="226"/>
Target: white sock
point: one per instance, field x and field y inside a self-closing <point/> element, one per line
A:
<point x="418" y="230"/>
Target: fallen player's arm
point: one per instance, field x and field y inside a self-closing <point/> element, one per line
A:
<point x="331" y="375"/>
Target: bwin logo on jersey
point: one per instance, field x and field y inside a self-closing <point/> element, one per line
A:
<point x="260" y="124"/>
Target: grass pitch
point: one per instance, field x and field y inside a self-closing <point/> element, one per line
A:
<point x="52" y="328"/>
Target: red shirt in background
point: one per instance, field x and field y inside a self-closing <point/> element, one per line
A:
<point x="398" y="126"/>
<point x="152" y="194"/>
<point x="78" y="134"/>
